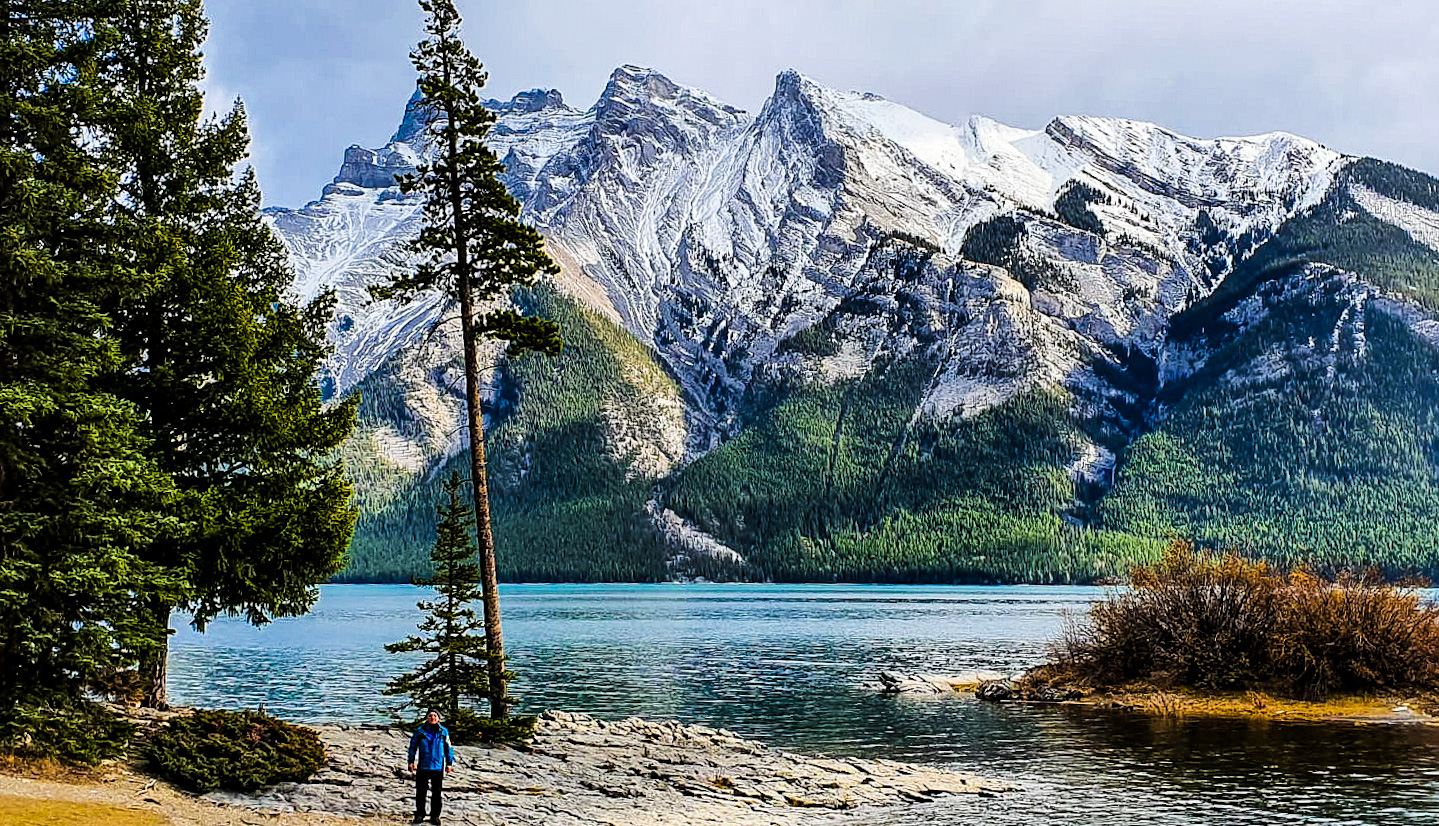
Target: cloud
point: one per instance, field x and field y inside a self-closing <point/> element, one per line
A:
<point x="318" y="75"/>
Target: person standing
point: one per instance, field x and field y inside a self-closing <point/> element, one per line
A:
<point x="431" y="745"/>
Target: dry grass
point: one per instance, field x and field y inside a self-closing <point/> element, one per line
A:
<point x="1223" y="622"/>
<point x="44" y="769"/>
<point x="1163" y="703"/>
<point x="118" y="796"/>
<point x="1182" y="702"/>
<point x="24" y="811"/>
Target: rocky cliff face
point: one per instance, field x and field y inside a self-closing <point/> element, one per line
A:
<point x="833" y="235"/>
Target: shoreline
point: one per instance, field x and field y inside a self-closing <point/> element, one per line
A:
<point x="577" y="770"/>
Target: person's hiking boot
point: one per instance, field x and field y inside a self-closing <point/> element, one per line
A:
<point x="418" y="819"/>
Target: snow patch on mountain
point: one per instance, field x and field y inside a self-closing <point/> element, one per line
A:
<point x="1421" y="224"/>
<point x="690" y="547"/>
<point x="397" y="450"/>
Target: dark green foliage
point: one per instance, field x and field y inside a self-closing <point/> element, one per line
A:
<point x="916" y="241"/>
<point x="218" y="359"/>
<point x="1395" y="181"/>
<point x="1326" y="453"/>
<point x="999" y="241"/>
<point x="815" y="340"/>
<point x="1072" y="206"/>
<point x="69" y="731"/>
<point x="995" y="241"/>
<point x="1212" y="246"/>
<point x="475" y="251"/>
<point x="1224" y="622"/>
<point x="456" y="675"/>
<point x="469" y="727"/>
<point x="836" y="483"/>
<point x="564" y="509"/>
<point x="1339" y="470"/>
<point x="235" y="750"/>
<point x="163" y="437"/>
<point x="1038" y="273"/>
<point x="1207" y="233"/>
<point x="472" y="228"/>
<point x="80" y="498"/>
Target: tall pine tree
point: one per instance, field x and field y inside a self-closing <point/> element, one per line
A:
<point x="218" y="357"/>
<point x="81" y="501"/>
<point x="477" y="250"/>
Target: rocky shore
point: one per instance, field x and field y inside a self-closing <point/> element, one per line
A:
<point x="580" y="770"/>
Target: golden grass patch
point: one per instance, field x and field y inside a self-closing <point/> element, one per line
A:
<point x="25" y="811"/>
<point x="1187" y="702"/>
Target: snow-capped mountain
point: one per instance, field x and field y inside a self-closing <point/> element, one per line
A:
<point x="660" y="198"/>
<point x="1009" y="260"/>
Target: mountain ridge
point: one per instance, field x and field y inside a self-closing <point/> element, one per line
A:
<point x="834" y="237"/>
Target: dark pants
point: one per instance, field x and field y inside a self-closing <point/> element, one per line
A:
<point x="434" y="779"/>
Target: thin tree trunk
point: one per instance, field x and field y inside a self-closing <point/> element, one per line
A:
<point x="154" y="665"/>
<point x="489" y="580"/>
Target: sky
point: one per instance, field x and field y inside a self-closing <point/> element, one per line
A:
<point x="1362" y="78"/>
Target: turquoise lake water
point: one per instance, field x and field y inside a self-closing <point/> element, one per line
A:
<point x="795" y="666"/>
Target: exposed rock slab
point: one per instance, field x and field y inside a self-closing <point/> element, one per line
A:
<point x="894" y="682"/>
<point x="580" y="770"/>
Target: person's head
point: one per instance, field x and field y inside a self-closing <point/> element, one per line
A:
<point x="432" y="718"/>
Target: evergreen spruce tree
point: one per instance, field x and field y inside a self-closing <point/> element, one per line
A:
<point x="457" y="674"/>
<point x="80" y="499"/>
<point x="217" y="357"/>
<point x="477" y="251"/>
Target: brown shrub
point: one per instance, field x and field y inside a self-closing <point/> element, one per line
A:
<point x="1222" y="621"/>
<point x="1192" y="619"/>
<point x="1353" y="634"/>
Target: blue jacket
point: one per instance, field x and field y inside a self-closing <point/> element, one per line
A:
<point x="432" y="747"/>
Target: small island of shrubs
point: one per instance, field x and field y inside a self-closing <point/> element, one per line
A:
<point x="1214" y="625"/>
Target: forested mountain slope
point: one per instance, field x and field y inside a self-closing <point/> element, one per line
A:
<point x="837" y="339"/>
<point x="1299" y="417"/>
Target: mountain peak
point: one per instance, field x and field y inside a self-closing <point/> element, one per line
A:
<point x="630" y="82"/>
<point x="797" y="99"/>
<point x="792" y="87"/>
<point x="631" y="85"/>
<point x="529" y="102"/>
<point x="642" y="102"/>
<point x="417" y="118"/>
<point x="791" y="78"/>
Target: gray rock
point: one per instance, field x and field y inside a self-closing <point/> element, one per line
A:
<point x="580" y="770"/>
<point x="1054" y="694"/>
<point x="893" y="682"/>
<point x="996" y="691"/>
